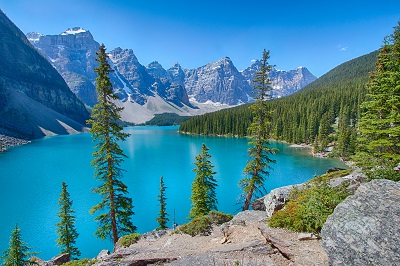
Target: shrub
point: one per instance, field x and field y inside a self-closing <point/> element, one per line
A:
<point x="219" y="217"/>
<point x="309" y="207"/>
<point x="203" y="225"/>
<point x="383" y="172"/>
<point x="199" y="226"/>
<point x="128" y="240"/>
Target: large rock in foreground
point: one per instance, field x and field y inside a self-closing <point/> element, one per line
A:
<point x="365" y="228"/>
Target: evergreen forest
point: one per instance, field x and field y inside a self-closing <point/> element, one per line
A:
<point x="323" y="113"/>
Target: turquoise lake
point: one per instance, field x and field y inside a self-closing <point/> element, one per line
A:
<point x="31" y="176"/>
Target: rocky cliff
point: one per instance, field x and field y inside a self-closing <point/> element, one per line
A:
<point x="34" y="99"/>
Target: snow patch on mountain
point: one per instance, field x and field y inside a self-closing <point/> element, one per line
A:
<point x="73" y="31"/>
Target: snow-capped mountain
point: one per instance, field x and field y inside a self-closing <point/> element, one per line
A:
<point x="145" y="91"/>
<point x="284" y="83"/>
<point x="73" y="54"/>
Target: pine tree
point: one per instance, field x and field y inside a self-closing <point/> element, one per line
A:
<point x="18" y="252"/>
<point x="204" y="197"/>
<point x="162" y="216"/>
<point x="379" y="126"/>
<point x="107" y="132"/>
<point x="66" y="230"/>
<point x="258" y="165"/>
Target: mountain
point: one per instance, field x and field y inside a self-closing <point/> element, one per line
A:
<point x="219" y="82"/>
<point x="73" y="54"/>
<point x="149" y="90"/>
<point x="34" y="99"/>
<point x="284" y="83"/>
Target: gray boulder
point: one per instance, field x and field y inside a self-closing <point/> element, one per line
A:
<point x="365" y="228"/>
<point x="274" y="200"/>
<point x="57" y="260"/>
<point x="247" y="217"/>
<point x="104" y="253"/>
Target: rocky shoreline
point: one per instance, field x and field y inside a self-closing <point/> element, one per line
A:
<point x="7" y="142"/>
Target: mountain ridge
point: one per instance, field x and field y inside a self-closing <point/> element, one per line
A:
<point x="214" y="86"/>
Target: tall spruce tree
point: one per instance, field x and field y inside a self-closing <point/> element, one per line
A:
<point x="379" y="127"/>
<point x="18" y="252"/>
<point x="204" y="197"/>
<point x="66" y="230"/>
<point x="258" y="165"/>
<point x="162" y="216"/>
<point x="115" y="207"/>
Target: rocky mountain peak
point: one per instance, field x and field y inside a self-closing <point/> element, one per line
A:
<point x="33" y="36"/>
<point x="177" y="74"/>
<point x="219" y="82"/>
<point x="176" y="65"/>
<point x="156" y="70"/>
<point x="118" y="54"/>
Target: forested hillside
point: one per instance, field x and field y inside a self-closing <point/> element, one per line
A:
<point x="321" y="113"/>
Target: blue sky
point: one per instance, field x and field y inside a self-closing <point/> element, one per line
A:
<point x="317" y="34"/>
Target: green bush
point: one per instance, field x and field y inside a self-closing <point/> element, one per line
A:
<point x="383" y="172"/>
<point x="203" y="224"/>
<point x="128" y="240"/>
<point x="82" y="262"/>
<point x="219" y="217"/>
<point x="309" y="207"/>
<point x="198" y="226"/>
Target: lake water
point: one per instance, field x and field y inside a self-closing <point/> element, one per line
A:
<point x="31" y="176"/>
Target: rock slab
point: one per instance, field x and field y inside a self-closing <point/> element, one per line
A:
<point x="365" y="228"/>
<point x="274" y="200"/>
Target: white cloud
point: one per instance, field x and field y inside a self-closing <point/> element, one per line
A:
<point x="342" y="48"/>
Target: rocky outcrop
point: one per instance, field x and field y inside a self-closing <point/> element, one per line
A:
<point x="34" y="99"/>
<point x="364" y="229"/>
<point x="274" y="200"/>
<point x="57" y="260"/>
